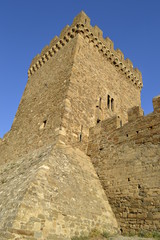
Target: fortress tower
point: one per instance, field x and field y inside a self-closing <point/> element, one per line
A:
<point x="50" y="189"/>
<point x="76" y="81"/>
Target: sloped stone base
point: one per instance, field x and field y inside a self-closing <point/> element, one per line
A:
<point x="53" y="193"/>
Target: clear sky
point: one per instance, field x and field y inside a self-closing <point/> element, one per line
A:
<point x="26" y="26"/>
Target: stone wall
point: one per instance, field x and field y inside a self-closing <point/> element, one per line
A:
<point x="127" y="161"/>
<point x="52" y="193"/>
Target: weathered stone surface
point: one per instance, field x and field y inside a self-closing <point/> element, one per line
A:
<point x="81" y="68"/>
<point x="48" y="186"/>
<point x="156" y="103"/>
<point x="53" y="191"/>
<point x="128" y="164"/>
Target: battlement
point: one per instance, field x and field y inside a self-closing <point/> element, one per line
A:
<point x="135" y="117"/>
<point x="94" y="35"/>
<point x="139" y="129"/>
<point x="156" y="103"/>
<point x="134" y="113"/>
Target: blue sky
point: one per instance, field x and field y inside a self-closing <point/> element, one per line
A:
<point x="26" y="26"/>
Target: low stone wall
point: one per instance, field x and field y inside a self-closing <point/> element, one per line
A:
<point x="127" y="161"/>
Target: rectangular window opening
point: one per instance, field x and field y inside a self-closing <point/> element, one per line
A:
<point x="44" y="123"/>
<point x="108" y="102"/>
<point x="80" y="135"/>
<point x="112" y="104"/>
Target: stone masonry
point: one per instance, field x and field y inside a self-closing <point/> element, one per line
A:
<point x="127" y="161"/>
<point x="77" y="80"/>
<point x="80" y="154"/>
<point x="52" y="193"/>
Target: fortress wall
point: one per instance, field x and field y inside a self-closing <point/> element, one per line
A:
<point x="93" y="78"/>
<point x="127" y="161"/>
<point x="52" y="193"/>
<point x="38" y="119"/>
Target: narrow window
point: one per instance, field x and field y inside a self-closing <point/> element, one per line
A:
<point x="80" y="135"/>
<point x="121" y="124"/>
<point x="108" y="102"/>
<point x="112" y="104"/>
<point x="44" y="123"/>
<point x="100" y="101"/>
<point x="98" y="120"/>
<point x="85" y="21"/>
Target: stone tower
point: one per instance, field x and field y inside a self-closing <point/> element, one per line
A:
<point x="49" y="188"/>
<point x="76" y="82"/>
<point x="78" y="89"/>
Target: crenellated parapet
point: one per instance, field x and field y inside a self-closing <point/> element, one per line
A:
<point x="94" y="35"/>
<point x="156" y="104"/>
<point x="139" y="129"/>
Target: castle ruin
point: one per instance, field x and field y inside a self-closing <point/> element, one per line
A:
<point x="80" y="154"/>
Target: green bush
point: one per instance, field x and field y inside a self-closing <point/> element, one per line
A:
<point x="93" y="234"/>
<point x="80" y="238"/>
<point x="147" y="234"/>
<point x="156" y="235"/>
<point x="106" y="235"/>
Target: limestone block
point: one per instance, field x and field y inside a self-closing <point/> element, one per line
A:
<point x="138" y="74"/>
<point x="81" y="18"/>
<point x="97" y="31"/>
<point x="119" y="54"/>
<point x="128" y="63"/>
<point x="109" y="43"/>
<point x="156" y="103"/>
<point x="35" y="59"/>
<point x="111" y="124"/>
<point x="44" y="50"/>
<point x="62" y="131"/>
<point x="64" y="30"/>
<point x="54" y="41"/>
<point x="134" y="113"/>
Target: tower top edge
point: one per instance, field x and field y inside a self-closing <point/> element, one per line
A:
<point x="81" y="24"/>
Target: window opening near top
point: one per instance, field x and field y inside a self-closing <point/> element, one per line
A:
<point x="100" y="102"/>
<point x="80" y="135"/>
<point x="108" y="102"/>
<point x="112" y="104"/>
